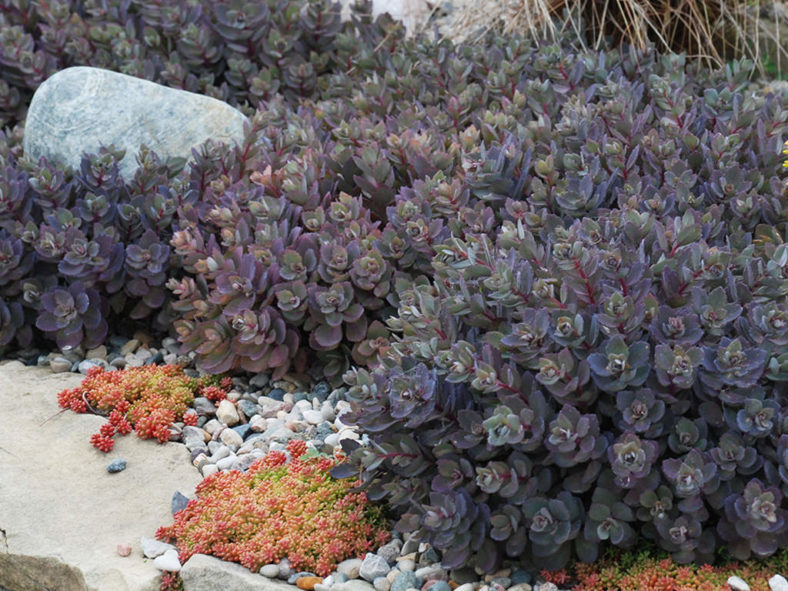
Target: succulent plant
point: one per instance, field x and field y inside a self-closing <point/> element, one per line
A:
<point x="552" y="525"/>
<point x="620" y="366"/>
<point x="72" y="316"/>
<point x="501" y="234"/>
<point x="754" y="521"/>
<point x="684" y="537"/>
<point x="631" y="459"/>
<point x="11" y="321"/>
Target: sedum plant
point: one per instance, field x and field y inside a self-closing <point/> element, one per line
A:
<point x="561" y="273"/>
<point x="147" y="400"/>
<point x="286" y="505"/>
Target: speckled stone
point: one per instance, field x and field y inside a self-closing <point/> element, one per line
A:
<point x="116" y="466"/>
<point x="79" y="109"/>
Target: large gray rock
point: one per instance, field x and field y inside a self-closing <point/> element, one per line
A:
<point x="62" y="515"/>
<point x="206" y="573"/>
<point x="79" y="109"/>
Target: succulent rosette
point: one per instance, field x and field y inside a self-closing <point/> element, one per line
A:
<point x="620" y="366"/>
<point x="731" y="364"/>
<point x="147" y="264"/>
<point x="691" y="474"/>
<point x="574" y="438"/>
<point x="640" y="411"/>
<point x="15" y="263"/>
<point x="677" y="366"/>
<point x="754" y="521"/>
<point x="333" y="309"/>
<point x="72" y="316"/>
<point x="676" y="326"/>
<point x="684" y="537"/>
<point x="12" y="319"/>
<point x="552" y="525"/>
<point x="631" y="459"/>
<point x="609" y="519"/>
<point x="263" y="341"/>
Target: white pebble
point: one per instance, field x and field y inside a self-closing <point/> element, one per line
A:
<point x="257" y="424"/>
<point x="168" y="561"/>
<point x="303" y="405"/>
<point x="350" y="567"/>
<point x="227" y="413"/>
<point x="327" y="410"/>
<point x="152" y="548"/>
<point x="778" y="583"/>
<point x="406" y="564"/>
<point x="313" y="417"/>
<point x="209" y="469"/>
<point x="220" y="453"/>
<point x="226" y="463"/>
<point x="231" y="439"/>
<point x="348" y="434"/>
<point x="738" y="584"/>
<point x="270" y="570"/>
<point x="212" y="426"/>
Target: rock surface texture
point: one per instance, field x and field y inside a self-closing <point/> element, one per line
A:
<point x="80" y="109"/>
<point x="206" y="573"/>
<point x="62" y="514"/>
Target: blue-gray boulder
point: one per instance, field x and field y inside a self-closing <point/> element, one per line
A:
<point x="80" y="109"/>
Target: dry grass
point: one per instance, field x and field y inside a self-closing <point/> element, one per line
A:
<point x="713" y="31"/>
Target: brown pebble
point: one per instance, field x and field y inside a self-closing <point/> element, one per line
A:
<point x="124" y="549"/>
<point x="308" y="583"/>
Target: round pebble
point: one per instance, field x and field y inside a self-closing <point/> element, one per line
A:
<point x="116" y="466"/>
<point x="308" y="583"/>
<point x="168" y="561"/>
<point x="284" y="569"/>
<point x="373" y="567"/>
<point x="270" y="570"/>
<point x="406" y="580"/>
<point x="231" y="439"/>
<point x="227" y="413"/>
<point x="737" y="584"/>
<point x="778" y="583"/>
<point x="60" y="364"/>
<point x="124" y="549"/>
<point x="350" y="568"/>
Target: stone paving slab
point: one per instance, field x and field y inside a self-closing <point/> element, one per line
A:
<point x="62" y="514"/>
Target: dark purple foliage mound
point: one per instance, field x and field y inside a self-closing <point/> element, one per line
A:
<point x="563" y="276"/>
<point x="597" y="349"/>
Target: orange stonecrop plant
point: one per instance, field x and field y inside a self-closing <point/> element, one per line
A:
<point x="649" y="573"/>
<point x="147" y="399"/>
<point x="279" y="509"/>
